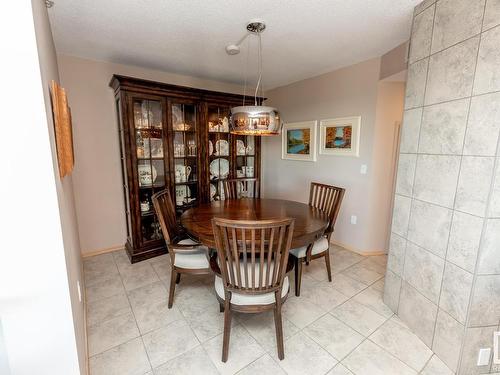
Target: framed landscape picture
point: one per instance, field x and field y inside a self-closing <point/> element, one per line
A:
<point x="340" y="136"/>
<point x="299" y="141"/>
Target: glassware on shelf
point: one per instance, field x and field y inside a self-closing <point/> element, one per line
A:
<point x="145" y="205"/>
<point x="179" y="150"/>
<point x="182" y="173"/>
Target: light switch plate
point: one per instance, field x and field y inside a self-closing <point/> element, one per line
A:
<point x="483" y="359"/>
<point x="363" y="169"/>
<point x="354" y="219"/>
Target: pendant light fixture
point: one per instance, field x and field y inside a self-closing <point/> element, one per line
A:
<point x="254" y="119"/>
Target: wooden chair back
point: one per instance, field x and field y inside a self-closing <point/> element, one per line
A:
<point x="327" y="198"/>
<point x="242" y="188"/>
<point x="165" y="211"/>
<point x="253" y="255"/>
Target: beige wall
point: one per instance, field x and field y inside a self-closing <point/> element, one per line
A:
<point x="349" y="91"/>
<point x="394" y="61"/>
<point x="389" y="113"/>
<point x="97" y="177"/>
<point x="49" y="71"/>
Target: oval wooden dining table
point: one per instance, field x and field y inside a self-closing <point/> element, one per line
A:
<point x="310" y="222"/>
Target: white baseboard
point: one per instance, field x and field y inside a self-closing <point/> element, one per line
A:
<point x="357" y="251"/>
<point x="92" y="253"/>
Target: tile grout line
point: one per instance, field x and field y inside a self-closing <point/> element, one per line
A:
<point x="133" y="314"/>
<point x="453" y="100"/>
<point x="402" y="276"/>
<point x="462" y="341"/>
<point x="483" y="229"/>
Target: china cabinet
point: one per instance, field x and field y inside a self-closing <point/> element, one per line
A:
<point x="177" y="138"/>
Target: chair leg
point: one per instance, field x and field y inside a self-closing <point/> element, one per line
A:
<point x="178" y="279"/>
<point x="173" y="277"/>
<point x="227" y="328"/>
<point x="298" y="276"/>
<point x="328" y="268"/>
<point x="279" y="326"/>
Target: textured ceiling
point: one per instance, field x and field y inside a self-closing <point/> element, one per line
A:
<point x="303" y="38"/>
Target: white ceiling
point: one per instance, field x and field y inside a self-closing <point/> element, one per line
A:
<point x="303" y="38"/>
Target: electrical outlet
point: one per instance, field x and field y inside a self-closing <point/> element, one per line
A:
<point x="483" y="359"/>
<point x="354" y="219"/>
<point x="79" y="290"/>
<point x="363" y="169"/>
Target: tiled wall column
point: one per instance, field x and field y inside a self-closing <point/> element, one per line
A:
<point x="443" y="276"/>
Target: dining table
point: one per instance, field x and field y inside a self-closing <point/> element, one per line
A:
<point x="310" y="222"/>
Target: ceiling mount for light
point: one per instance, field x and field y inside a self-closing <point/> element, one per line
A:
<point x="256" y="26"/>
<point x="253" y="119"/>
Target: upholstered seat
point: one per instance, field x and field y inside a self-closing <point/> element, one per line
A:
<point x="186" y="256"/>
<point x="319" y="246"/>
<point x="193" y="260"/>
<point x="249" y="299"/>
<point x="252" y="259"/>
<point x="326" y="198"/>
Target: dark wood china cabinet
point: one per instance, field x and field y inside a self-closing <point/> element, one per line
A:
<point x="177" y="138"/>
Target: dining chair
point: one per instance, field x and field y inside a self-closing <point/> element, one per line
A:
<point x="186" y="255"/>
<point x="241" y="188"/>
<point x="327" y="198"/>
<point x="252" y="258"/>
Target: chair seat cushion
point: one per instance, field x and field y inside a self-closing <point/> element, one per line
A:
<point x="194" y="260"/>
<point x="250" y="299"/>
<point x="319" y="246"/>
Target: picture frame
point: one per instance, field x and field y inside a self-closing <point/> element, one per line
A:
<point x="63" y="129"/>
<point x="299" y="141"/>
<point x="340" y="136"/>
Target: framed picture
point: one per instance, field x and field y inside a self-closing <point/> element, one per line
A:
<point x="340" y="136"/>
<point x="299" y="141"/>
<point x="63" y="129"/>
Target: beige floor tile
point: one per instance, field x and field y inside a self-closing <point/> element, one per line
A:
<point x="334" y="336"/>
<point x="265" y="365"/>
<point x="147" y="294"/>
<point x="141" y="274"/>
<point x="364" y="272"/>
<point x="106" y="287"/>
<point x="261" y="327"/>
<point x="372" y="298"/>
<point x="436" y="367"/>
<point x="107" y="308"/>
<point x="347" y="285"/>
<point x="301" y="312"/>
<point x="194" y="361"/>
<point x="370" y="359"/>
<point x="402" y="343"/>
<point x="155" y="315"/>
<point x="209" y="323"/>
<point x="340" y="369"/>
<point x="342" y="259"/>
<point x="243" y="350"/>
<point x="323" y="294"/>
<point x="316" y="269"/>
<point x="304" y="356"/>
<point x="359" y="317"/>
<point x="169" y="342"/>
<point x="106" y="335"/>
<point x="126" y="359"/>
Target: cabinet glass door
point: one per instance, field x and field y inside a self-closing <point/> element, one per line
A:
<point x="219" y="150"/>
<point x="245" y="156"/>
<point x="148" y="128"/>
<point x="185" y="150"/>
